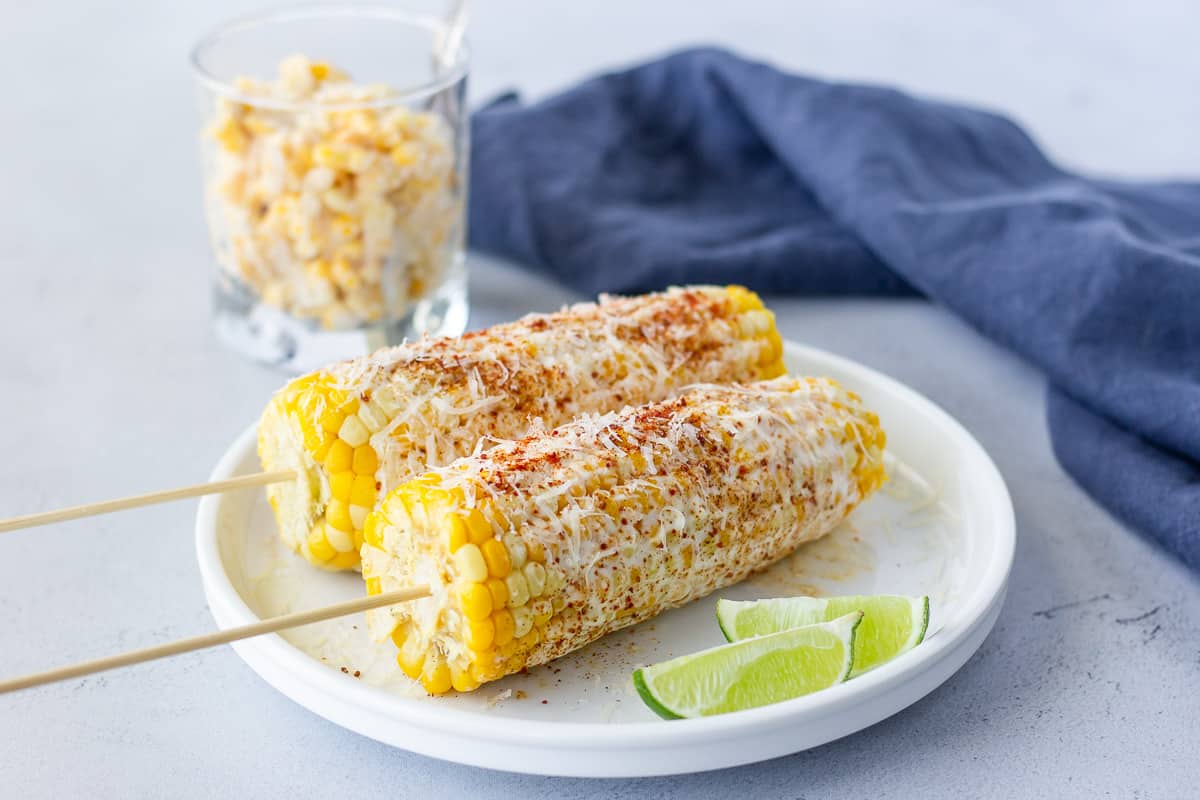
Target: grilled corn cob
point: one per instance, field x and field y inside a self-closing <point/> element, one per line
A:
<point x="357" y="430"/>
<point x="540" y="546"/>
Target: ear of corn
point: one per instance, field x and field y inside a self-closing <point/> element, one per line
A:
<point x="609" y="520"/>
<point x="357" y="430"/>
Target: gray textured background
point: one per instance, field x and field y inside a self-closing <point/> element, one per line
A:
<point x="112" y="382"/>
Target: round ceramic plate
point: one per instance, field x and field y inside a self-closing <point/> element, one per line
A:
<point x="943" y="526"/>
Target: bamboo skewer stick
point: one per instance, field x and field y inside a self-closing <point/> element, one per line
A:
<point x="120" y="504"/>
<point x="271" y="625"/>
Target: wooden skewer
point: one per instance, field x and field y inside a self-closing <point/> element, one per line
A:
<point x="271" y="625"/>
<point x="120" y="504"/>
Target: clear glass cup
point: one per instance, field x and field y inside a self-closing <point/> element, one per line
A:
<point x="334" y="143"/>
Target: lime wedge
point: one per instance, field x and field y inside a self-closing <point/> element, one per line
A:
<point x="891" y="624"/>
<point x="750" y="673"/>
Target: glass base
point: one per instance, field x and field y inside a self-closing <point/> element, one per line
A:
<point x="272" y="337"/>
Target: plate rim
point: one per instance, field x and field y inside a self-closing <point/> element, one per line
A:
<point x="978" y="607"/>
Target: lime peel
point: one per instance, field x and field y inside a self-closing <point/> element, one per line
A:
<point x="751" y="672"/>
<point x="893" y="624"/>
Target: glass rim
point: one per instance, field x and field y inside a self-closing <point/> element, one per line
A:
<point x="454" y="74"/>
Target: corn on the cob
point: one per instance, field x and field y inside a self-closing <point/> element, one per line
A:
<point x="537" y="547"/>
<point x="357" y="430"/>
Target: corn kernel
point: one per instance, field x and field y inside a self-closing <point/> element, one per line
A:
<point x="372" y="417"/>
<point x="463" y="681"/>
<point x="478" y="528"/>
<point x="486" y="671"/>
<point x="365" y="460"/>
<point x="499" y="591"/>
<point x="470" y="563"/>
<point x="456" y="533"/>
<point x="535" y="578"/>
<point x="353" y="432"/>
<point x="337" y="514"/>
<point x="541" y="611"/>
<point x="504" y="625"/>
<point x="496" y="557"/>
<point x="535" y="551"/>
<point x="554" y="580"/>
<point x="347" y="560"/>
<point x="530" y="640"/>
<point x="331" y="419"/>
<point x="373" y="531"/>
<point x="437" y="680"/>
<point x="399" y="636"/>
<point x="476" y="602"/>
<point x="358" y="516"/>
<point x="374" y="586"/>
<point x="340" y="457"/>
<point x="318" y="546"/>
<point x="518" y="589"/>
<point x="341" y="485"/>
<point x="516" y="550"/>
<point x="411" y="661"/>
<point x="522" y="621"/>
<point x="479" y="634"/>
<point x="363" y="491"/>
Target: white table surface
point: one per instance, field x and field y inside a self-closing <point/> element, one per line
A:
<point x="112" y="382"/>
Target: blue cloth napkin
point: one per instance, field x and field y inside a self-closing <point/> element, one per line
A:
<point x="704" y="167"/>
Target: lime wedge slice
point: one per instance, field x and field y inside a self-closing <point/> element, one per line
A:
<point x="750" y="673"/>
<point x="891" y="624"/>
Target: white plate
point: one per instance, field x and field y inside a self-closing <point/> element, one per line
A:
<point x="948" y="533"/>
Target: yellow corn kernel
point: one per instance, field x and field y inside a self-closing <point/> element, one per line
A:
<point x="476" y="602"/>
<point x="320" y="450"/>
<point x="518" y="589"/>
<point x="479" y="634"/>
<point x="535" y="578"/>
<point x="437" y="680"/>
<point x="374" y="586"/>
<point x="318" y="546"/>
<point x="340" y="457"/>
<point x="478" y="528"/>
<point x="535" y="551"/>
<point x="499" y="591"/>
<point x="743" y="299"/>
<point x="542" y="610"/>
<point x="470" y="563"/>
<point x="456" y="533"/>
<point x="505" y="627"/>
<point x="498" y="562"/>
<point x="363" y="491"/>
<point x="365" y="461"/>
<point x="411" y="661"/>
<point x="463" y="681"/>
<point x="347" y="560"/>
<point x="515" y="546"/>
<point x="554" y="581"/>
<point x="341" y="485"/>
<point x="773" y="349"/>
<point x="522" y="621"/>
<point x="331" y="419"/>
<point x="337" y="514"/>
<point x="497" y="517"/>
<point x="529" y="640"/>
<point x="373" y="531"/>
<point x="399" y="636"/>
<point x="487" y="671"/>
